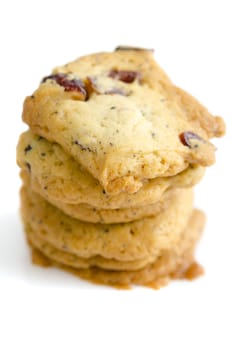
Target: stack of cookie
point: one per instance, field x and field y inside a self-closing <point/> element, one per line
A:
<point x="108" y="166"/>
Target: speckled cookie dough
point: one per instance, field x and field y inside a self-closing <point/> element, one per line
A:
<point x="88" y="213"/>
<point x="56" y="176"/>
<point x="170" y="264"/>
<point x="122" y="119"/>
<point x="138" y="240"/>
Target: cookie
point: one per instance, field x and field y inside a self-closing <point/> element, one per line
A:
<point x="122" y="119"/>
<point x="140" y="240"/>
<point x="85" y="212"/>
<point x="176" y="262"/>
<point x="71" y="259"/>
<point x="60" y="179"/>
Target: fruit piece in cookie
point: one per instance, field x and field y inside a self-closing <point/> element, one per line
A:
<point x="59" y="178"/>
<point x="127" y="128"/>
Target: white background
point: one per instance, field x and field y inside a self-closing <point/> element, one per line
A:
<point x="50" y="309"/>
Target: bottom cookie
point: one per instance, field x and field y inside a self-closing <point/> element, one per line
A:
<point x="169" y="265"/>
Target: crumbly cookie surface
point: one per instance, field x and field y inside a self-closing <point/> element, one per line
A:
<point x="60" y="179"/>
<point x="173" y="263"/>
<point x="138" y="240"/>
<point x="121" y="118"/>
<point x="85" y="212"/>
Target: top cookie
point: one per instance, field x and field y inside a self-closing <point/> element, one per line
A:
<point x="120" y="116"/>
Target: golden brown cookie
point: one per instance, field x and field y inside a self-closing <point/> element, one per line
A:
<point x="88" y="213"/>
<point x="140" y="240"/>
<point x="122" y="119"/>
<point x="176" y="262"/>
<point x="57" y="177"/>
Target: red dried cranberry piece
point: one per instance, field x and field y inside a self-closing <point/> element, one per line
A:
<point x="59" y="78"/>
<point x="187" y="137"/>
<point x="127" y="76"/>
<point x="75" y="85"/>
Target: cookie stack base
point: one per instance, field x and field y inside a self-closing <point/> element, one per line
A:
<point x="168" y="266"/>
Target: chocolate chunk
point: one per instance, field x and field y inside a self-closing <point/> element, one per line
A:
<point x="188" y="139"/>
